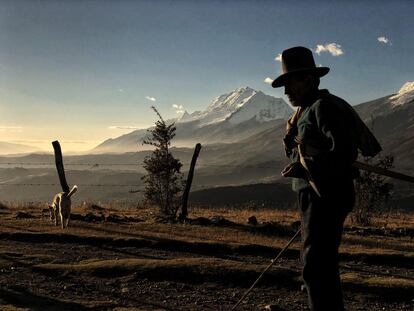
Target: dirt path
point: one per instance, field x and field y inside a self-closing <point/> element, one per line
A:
<point x="43" y="268"/>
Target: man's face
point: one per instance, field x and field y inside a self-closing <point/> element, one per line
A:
<point x="298" y="89"/>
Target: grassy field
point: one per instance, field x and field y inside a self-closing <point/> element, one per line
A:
<point x="123" y="259"/>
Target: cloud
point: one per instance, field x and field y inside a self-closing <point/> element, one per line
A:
<point x="38" y="141"/>
<point x="73" y="142"/>
<point x="178" y="108"/>
<point x="268" y="80"/>
<point x="121" y="90"/>
<point x="278" y="57"/>
<point x="150" y="98"/>
<point x="124" y="127"/>
<point x="22" y="141"/>
<point x="13" y="129"/>
<point x="333" y="48"/>
<point x="384" y="40"/>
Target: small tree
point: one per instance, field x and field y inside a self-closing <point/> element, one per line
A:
<point x="372" y="191"/>
<point x="163" y="181"/>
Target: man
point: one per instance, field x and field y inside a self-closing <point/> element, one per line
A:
<point x="322" y="140"/>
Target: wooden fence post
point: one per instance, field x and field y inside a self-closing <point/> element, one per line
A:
<point x="59" y="166"/>
<point x="184" y="211"/>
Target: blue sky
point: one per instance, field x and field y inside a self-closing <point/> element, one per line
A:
<point x="79" y="71"/>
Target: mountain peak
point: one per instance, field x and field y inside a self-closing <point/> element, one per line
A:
<point x="404" y="95"/>
<point x="244" y="89"/>
<point x="239" y="105"/>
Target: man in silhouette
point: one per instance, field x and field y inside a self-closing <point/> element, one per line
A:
<point x="322" y="140"/>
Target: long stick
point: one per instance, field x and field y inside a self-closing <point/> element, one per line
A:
<point x="267" y="268"/>
<point x="382" y="171"/>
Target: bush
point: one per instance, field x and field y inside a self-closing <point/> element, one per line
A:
<point x="164" y="181"/>
<point x="372" y="191"/>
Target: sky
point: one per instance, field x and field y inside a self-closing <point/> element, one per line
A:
<point x="85" y="71"/>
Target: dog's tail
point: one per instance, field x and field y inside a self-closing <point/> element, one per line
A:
<point x="74" y="189"/>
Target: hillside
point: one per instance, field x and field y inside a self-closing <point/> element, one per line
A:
<point x="254" y="157"/>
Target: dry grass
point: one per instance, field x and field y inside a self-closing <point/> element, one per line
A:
<point x="285" y="217"/>
<point x="13" y="308"/>
<point x="380" y="281"/>
<point x="146" y="253"/>
<point x="208" y="269"/>
<point x="150" y="229"/>
<point x="190" y="268"/>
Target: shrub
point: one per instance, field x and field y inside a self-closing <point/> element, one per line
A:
<point x="164" y="181"/>
<point x="372" y="191"/>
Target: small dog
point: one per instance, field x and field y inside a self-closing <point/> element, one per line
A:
<point x="61" y="207"/>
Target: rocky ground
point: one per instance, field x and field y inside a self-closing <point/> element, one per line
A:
<point x="125" y="262"/>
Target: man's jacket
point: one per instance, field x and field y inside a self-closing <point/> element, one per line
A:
<point x="330" y="133"/>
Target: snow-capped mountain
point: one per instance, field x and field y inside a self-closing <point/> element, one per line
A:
<point x="404" y="95"/>
<point x="229" y="118"/>
<point x="391" y="104"/>
<point x="392" y="119"/>
<point x="241" y="105"/>
<point x="249" y="152"/>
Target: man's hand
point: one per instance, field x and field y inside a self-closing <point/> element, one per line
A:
<point x="289" y="142"/>
<point x="294" y="169"/>
<point x="291" y="132"/>
<point x="291" y="127"/>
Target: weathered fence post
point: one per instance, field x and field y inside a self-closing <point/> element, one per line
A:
<point x="59" y="166"/>
<point x="184" y="211"/>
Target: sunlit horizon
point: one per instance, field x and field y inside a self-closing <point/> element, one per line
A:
<point x="82" y="72"/>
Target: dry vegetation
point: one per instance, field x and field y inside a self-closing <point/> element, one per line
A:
<point x="113" y="258"/>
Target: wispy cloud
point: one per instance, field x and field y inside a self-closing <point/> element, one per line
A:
<point x="74" y="142"/>
<point x="150" y="98"/>
<point x="13" y="129"/>
<point x="384" y="40"/>
<point x="29" y="141"/>
<point x="178" y="108"/>
<point x="333" y="48"/>
<point x="38" y="141"/>
<point x="124" y="127"/>
<point x="278" y="57"/>
<point x="268" y="80"/>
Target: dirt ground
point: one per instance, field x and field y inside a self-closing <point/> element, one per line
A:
<point x="112" y="259"/>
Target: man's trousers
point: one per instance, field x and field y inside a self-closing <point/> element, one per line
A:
<point x="322" y="225"/>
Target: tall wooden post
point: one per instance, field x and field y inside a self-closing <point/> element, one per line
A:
<point x="59" y="166"/>
<point x="184" y="211"/>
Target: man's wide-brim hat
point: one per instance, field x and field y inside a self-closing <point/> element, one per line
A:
<point x="298" y="60"/>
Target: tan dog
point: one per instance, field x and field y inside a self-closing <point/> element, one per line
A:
<point x="61" y="207"/>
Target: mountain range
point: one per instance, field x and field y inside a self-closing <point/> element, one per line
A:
<point x="229" y="118"/>
<point x="241" y="134"/>
<point x="252" y="122"/>
<point x="13" y="148"/>
<point x="392" y="120"/>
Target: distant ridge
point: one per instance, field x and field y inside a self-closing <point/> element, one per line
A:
<point x="12" y="148"/>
